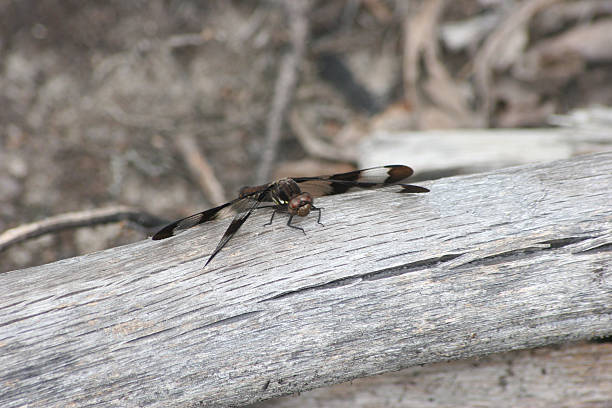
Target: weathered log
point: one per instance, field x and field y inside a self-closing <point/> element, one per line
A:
<point x="573" y="375"/>
<point x="464" y="151"/>
<point x="513" y="259"/>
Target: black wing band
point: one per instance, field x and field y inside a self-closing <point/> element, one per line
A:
<point x="389" y="174"/>
<point x="188" y="222"/>
<point x="373" y="177"/>
<point x="342" y="186"/>
<point x="409" y="188"/>
<point x="237" y="205"/>
<point x="236" y="224"/>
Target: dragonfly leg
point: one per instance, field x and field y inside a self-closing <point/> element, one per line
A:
<point x="271" y="218"/>
<point x="273" y="212"/>
<point x="319" y="217"/>
<point x="293" y="226"/>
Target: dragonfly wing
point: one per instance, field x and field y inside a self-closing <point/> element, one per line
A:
<point x="374" y="177"/>
<point x="239" y="219"/>
<point x="223" y="211"/>
<point x="193" y="220"/>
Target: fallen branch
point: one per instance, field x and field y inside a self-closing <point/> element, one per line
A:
<point x="544" y="377"/>
<point x="440" y="153"/>
<point x="513" y="259"/>
<point x="200" y="169"/>
<point x="85" y="218"/>
<point x="285" y="85"/>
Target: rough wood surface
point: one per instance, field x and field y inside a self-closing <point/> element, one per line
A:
<point x="517" y="258"/>
<point x="576" y="375"/>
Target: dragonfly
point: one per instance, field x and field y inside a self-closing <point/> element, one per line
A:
<point x="293" y="196"/>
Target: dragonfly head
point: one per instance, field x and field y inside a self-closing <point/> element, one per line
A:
<point x="300" y="205"/>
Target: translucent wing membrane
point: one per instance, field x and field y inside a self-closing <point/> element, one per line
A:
<point x="193" y="220"/>
<point x="239" y="219"/>
<point x="374" y="177"/>
<point x="223" y="211"/>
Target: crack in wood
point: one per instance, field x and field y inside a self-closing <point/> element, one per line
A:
<point x="562" y="242"/>
<point x="327" y="285"/>
<point x="410" y="267"/>
<point x="382" y="274"/>
<point x="222" y="322"/>
<point x="150" y="335"/>
<point x="607" y="247"/>
<point x="507" y="256"/>
<point x="76" y="292"/>
<point x="499" y="258"/>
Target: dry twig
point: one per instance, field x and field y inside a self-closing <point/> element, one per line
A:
<point x="285" y="84"/>
<point x="85" y="218"/>
<point x="200" y="169"/>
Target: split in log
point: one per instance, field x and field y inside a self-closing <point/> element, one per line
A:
<point x="513" y="259"/>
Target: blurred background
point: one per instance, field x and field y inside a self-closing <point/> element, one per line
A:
<point x="169" y="107"/>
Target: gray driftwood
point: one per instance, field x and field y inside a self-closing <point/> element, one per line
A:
<point x="513" y="259"/>
<point x="570" y="376"/>
<point x="464" y="151"/>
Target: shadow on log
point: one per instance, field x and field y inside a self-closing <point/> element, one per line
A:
<point x="513" y="259"/>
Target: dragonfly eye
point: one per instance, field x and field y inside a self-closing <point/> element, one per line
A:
<point x="300" y="205"/>
<point x="304" y="210"/>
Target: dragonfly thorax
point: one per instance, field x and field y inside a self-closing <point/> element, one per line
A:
<point x="284" y="190"/>
<point x="287" y="192"/>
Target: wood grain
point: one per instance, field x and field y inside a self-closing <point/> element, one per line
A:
<point x="574" y="375"/>
<point x="513" y="259"/>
